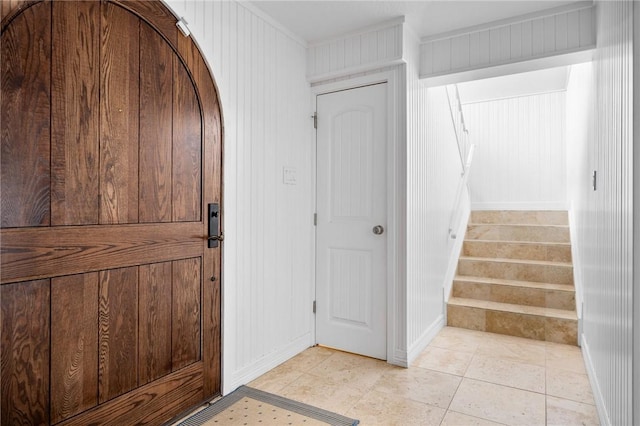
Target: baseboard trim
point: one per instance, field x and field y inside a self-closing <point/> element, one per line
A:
<point x="423" y="341"/>
<point x="251" y="372"/>
<point x="562" y="206"/>
<point x="605" y="420"/>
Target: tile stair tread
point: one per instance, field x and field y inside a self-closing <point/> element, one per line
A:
<point x="524" y="261"/>
<point x="532" y="243"/>
<point x="533" y="225"/>
<point x="516" y="283"/>
<point x="518" y="309"/>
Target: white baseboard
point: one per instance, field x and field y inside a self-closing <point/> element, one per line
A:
<point x="423" y="341"/>
<point x="605" y="420"/>
<point x="231" y="381"/>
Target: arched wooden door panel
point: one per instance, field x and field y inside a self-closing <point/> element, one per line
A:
<point x="111" y="151"/>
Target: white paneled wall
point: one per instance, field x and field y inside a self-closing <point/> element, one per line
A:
<point x="558" y="32"/>
<point x="520" y="157"/>
<point x="433" y="173"/>
<point x="372" y="48"/>
<point x="267" y="294"/>
<point x="604" y="219"/>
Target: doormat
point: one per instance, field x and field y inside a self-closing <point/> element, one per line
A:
<point x="248" y="406"/>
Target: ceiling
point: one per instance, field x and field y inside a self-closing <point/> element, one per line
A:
<point x="313" y="20"/>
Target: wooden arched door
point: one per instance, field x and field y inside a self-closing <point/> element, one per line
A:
<point x="111" y="153"/>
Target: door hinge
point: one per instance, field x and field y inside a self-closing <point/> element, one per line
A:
<point x="315" y="120"/>
<point x="314" y="306"/>
<point x="315" y="219"/>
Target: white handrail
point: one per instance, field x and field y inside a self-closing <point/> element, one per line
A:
<point x="455" y="213"/>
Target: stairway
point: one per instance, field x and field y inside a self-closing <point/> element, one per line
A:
<point x="515" y="277"/>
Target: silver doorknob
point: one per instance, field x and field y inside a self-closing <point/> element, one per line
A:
<point x="378" y="230"/>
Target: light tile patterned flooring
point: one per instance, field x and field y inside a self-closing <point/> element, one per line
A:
<point x="463" y="377"/>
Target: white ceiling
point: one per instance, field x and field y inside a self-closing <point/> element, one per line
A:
<point x="314" y="20"/>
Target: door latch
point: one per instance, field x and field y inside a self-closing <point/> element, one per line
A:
<point x="215" y="236"/>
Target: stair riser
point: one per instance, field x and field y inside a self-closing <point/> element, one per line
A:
<point x="556" y="299"/>
<point x="549" y="234"/>
<point x="499" y="249"/>
<point x="514" y="324"/>
<point x="520" y="217"/>
<point x="554" y="274"/>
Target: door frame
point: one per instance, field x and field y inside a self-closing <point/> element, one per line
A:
<point x="396" y="184"/>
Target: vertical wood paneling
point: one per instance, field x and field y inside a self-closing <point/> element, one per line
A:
<point x="74" y="339"/>
<point x="75" y="116"/>
<point x="604" y="217"/>
<point x="433" y="173"/>
<point x="118" y="332"/>
<point x="341" y="57"/>
<point x="186" y="278"/>
<point x="25" y="70"/>
<point x="119" y="114"/>
<point x="187" y="147"/>
<point x="260" y="72"/>
<point x="520" y="152"/>
<point x="25" y="345"/>
<point x="557" y="33"/>
<point x="154" y="322"/>
<point x="156" y="115"/>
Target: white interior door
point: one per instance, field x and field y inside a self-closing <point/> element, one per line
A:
<point x="351" y="234"/>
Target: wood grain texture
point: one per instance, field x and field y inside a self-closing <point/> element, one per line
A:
<point x="75" y="115"/>
<point x="155" y="14"/>
<point x="65" y="250"/>
<point x="119" y="115"/>
<point x="156" y="111"/>
<point x="24" y="369"/>
<point x="154" y="324"/>
<point x="212" y="176"/>
<point x="187" y="147"/>
<point x="9" y="8"/>
<point x="25" y="111"/>
<point x="74" y="339"/>
<point x="152" y="404"/>
<point x="186" y="284"/>
<point x="118" y="333"/>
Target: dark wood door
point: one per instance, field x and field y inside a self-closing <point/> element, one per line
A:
<point x="111" y="148"/>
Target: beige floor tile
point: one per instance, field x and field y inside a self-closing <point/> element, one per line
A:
<point x="458" y="419"/>
<point x="508" y="373"/>
<point x="379" y="408"/>
<point x="429" y="387"/>
<point x="458" y="339"/>
<point x="276" y="379"/>
<point x="323" y="393"/>
<point x="444" y="360"/>
<point x="352" y="370"/>
<point x="563" y="412"/>
<point x="310" y="358"/>
<point x="565" y="357"/>
<point x="498" y="403"/>
<point x="514" y="349"/>
<point x="569" y="385"/>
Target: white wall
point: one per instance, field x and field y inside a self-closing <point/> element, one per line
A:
<point x="579" y="113"/>
<point x="519" y="162"/>
<point x="488" y="50"/>
<point x="267" y="287"/>
<point x="433" y="173"/>
<point x="604" y="220"/>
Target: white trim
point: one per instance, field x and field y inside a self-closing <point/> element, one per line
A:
<point x="572" y="7"/>
<point x="557" y="59"/>
<point x="269" y="20"/>
<point x="394" y="150"/>
<point x="423" y="341"/>
<point x="265" y="364"/>
<point x="457" y="246"/>
<point x="319" y="78"/>
<point x="604" y="417"/>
